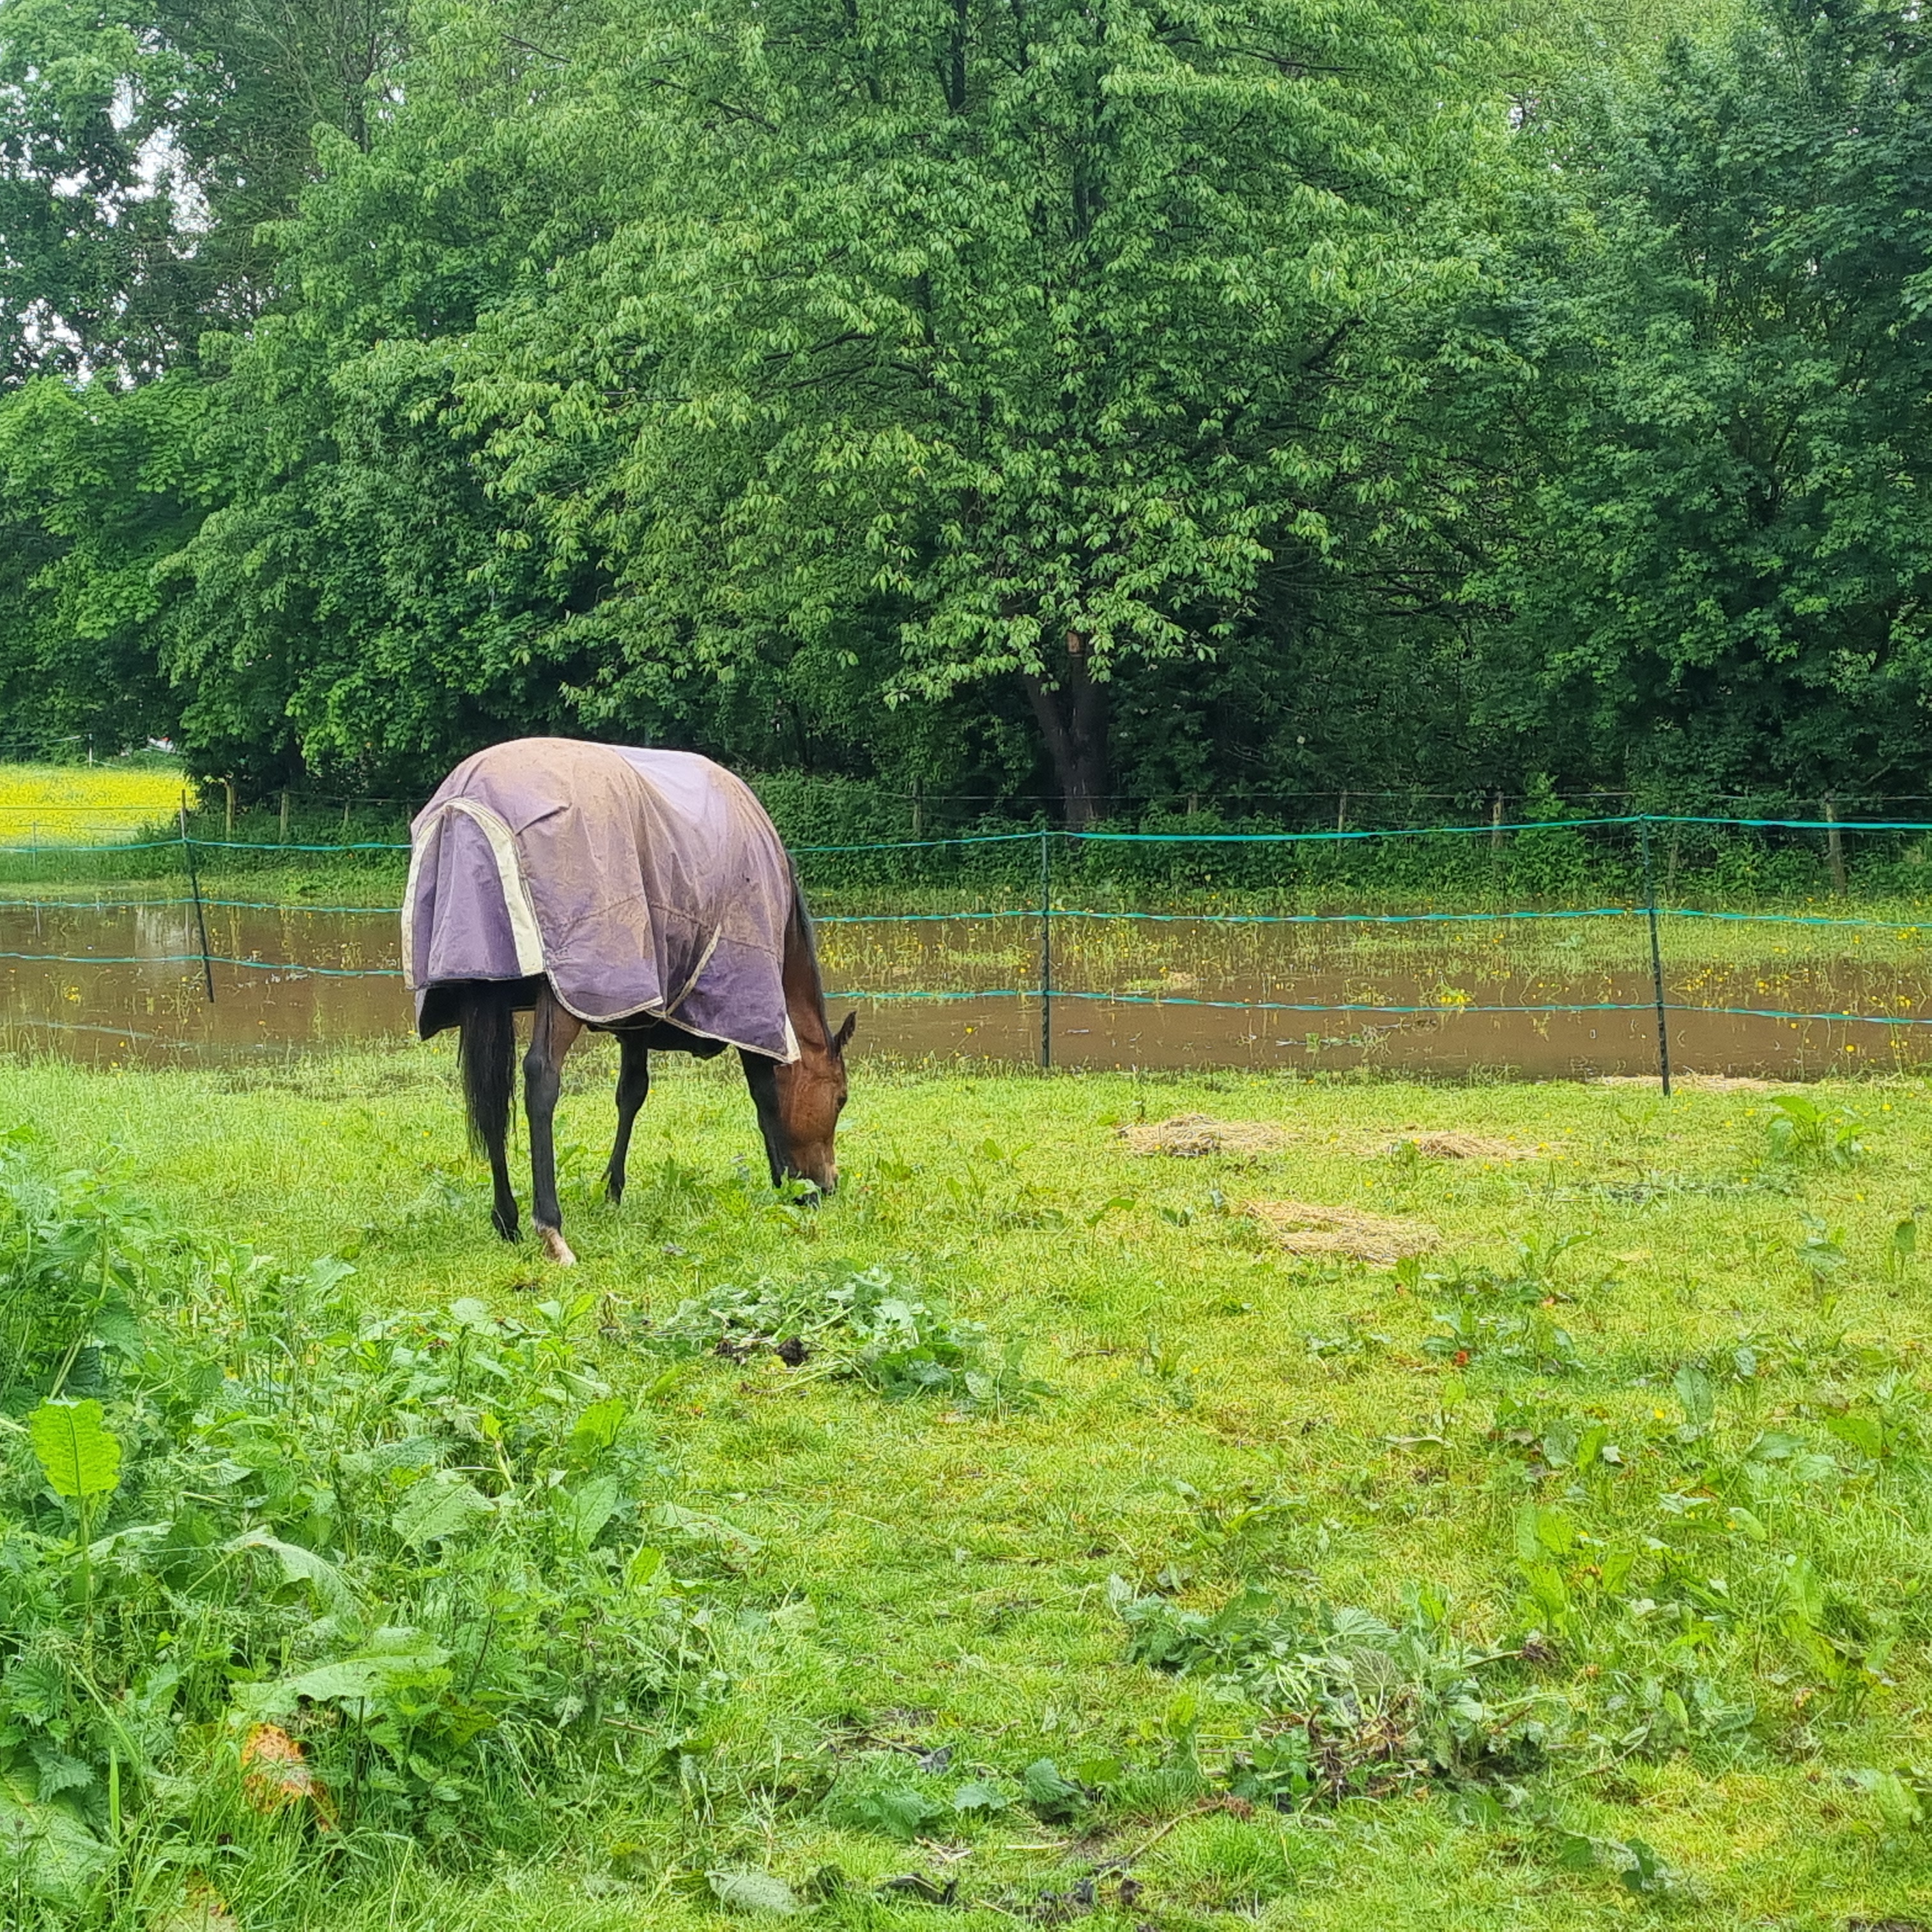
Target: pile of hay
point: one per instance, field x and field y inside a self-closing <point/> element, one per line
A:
<point x="1189" y="1136"/>
<point x="1453" y="1144"/>
<point x="1303" y="1228"/>
<point x="1192" y="1136"/>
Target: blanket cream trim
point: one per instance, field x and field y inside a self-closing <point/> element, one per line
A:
<point x="524" y="931"/>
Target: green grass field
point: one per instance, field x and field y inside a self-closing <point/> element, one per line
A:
<point x="1519" y="1584"/>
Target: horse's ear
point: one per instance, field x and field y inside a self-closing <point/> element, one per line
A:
<point x="843" y="1036"/>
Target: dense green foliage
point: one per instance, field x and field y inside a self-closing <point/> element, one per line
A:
<point x="1104" y="406"/>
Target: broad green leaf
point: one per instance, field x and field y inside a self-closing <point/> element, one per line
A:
<point x="744" y="1889"/>
<point x="1695" y="1391"/>
<point x="435" y="1508"/>
<point x="1575" y="1852"/>
<point x="597" y="1428"/>
<point x="1556" y="1532"/>
<point x="1899" y="1804"/>
<point x="59" y="1858"/>
<point x="390" y="1656"/>
<point x="79" y="1457"/>
<point x="55" y="1770"/>
<point x="979" y="1796"/>
<point x="1865" y="1433"/>
<point x="1047" y="1790"/>
<point x="705" y="1528"/>
<point x="1804" y="1592"/>
<point x="303" y="1566"/>
<point x="899" y="1811"/>
<point x="588" y="1507"/>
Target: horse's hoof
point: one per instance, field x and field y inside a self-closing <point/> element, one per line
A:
<point x="557" y="1247"/>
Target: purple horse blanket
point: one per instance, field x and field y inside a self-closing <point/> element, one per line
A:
<point x="642" y="885"/>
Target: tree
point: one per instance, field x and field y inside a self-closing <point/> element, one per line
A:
<point x="1713" y="360"/>
<point x="96" y="488"/>
<point x="142" y="148"/>
<point x="972" y="343"/>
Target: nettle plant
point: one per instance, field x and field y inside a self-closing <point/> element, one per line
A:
<point x="360" y="1573"/>
<point x="72" y="1248"/>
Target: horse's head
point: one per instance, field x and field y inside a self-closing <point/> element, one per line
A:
<point x="809" y="1094"/>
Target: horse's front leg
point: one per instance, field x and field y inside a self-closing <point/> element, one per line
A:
<point x="634" y="1083"/>
<point x="551" y="1035"/>
<point x="761" y="1076"/>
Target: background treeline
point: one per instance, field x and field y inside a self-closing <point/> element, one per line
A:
<point x="1081" y="408"/>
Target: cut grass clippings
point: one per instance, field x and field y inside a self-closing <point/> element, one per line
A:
<point x="1351" y="1234"/>
<point x="1194" y="1136"/>
<point x="1191" y="1136"/>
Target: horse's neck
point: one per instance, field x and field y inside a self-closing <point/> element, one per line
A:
<point x="804" y="992"/>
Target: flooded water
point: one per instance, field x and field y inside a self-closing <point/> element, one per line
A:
<point x="131" y="988"/>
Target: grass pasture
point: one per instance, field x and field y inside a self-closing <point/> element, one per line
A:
<point x="1081" y="1554"/>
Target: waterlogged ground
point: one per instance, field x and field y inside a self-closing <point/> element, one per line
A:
<point x="115" y="979"/>
<point x="1569" y="1575"/>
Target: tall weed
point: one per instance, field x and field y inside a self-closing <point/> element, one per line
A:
<point x="367" y="1575"/>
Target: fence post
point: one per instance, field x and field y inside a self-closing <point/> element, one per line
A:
<point x="1834" y="844"/>
<point x="1046" y="949"/>
<point x="200" y="917"/>
<point x="1656" y="961"/>
<point x="285" y="815"/>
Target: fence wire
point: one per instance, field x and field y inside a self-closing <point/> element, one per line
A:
<point x="1038" y="921"/>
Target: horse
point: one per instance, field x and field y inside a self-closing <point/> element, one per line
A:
<point x="651" y="898"/>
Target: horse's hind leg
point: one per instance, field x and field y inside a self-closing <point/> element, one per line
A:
<point x="487" y="1052"/>
<point x="551" y="1034"/>
<point x="633" y="1083"/>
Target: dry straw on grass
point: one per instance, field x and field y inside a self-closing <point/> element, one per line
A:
<point x="1303" y="1228"/>
<point x="1193" y="1136"/>
<point x="1453" y="1144"/>
<point x="1189" y="1136"/>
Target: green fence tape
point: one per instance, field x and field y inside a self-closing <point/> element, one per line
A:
<point x="1335" y="918"/>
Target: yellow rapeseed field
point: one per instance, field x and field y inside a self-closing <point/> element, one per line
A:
<point x="81" y="805"/>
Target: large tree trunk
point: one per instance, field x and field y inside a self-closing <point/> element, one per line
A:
<point x="1072" y="709"/>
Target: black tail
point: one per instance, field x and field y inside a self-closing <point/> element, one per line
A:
<point x="488" y="1050"/>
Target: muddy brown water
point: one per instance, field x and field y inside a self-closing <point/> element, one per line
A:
<point x="130" y="990"/>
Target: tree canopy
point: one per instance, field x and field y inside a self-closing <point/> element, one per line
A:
<point x="1084" y="406"/>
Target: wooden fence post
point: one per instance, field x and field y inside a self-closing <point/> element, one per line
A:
<point x="1834" y="844"/>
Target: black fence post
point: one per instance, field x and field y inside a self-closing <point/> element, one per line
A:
<point x="200" y="917"/>
<point x="1046" y="949"/>
<point x="1656" y="961"/>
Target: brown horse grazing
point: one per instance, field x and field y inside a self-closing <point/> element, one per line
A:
<point x="641" y="893"/>
<point x="798" y="1102"/>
